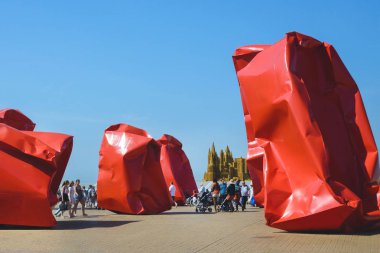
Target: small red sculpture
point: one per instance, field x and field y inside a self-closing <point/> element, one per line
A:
<point x="311" y="152"/>
<point x="31" y="168"/>
<point x="176" y="168"/>
<point x="130" y="178"/>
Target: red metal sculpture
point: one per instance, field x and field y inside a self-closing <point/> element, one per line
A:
<point x="130" y="178"/>
<point x="31" y="168"/>
<point x="176" y="168"/>
<point x="310" y="145"/>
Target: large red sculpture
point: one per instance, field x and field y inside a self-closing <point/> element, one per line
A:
<point x="176" y="168"/>
<point x="130" y="178"/>
<point x="31" y="168"/>
<point x="310" y="146"/>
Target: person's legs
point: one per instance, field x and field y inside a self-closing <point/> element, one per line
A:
<point x="214" y="201"/>
<point x="83" y="203"/>
<point x="231" y="205"/>
<point x="74" y="210"/>
<point x="67" y="204"/>
<point x="175" y="203"/>
<point x="74" y="205"/>
<point x="69" y="207"/>
<point x="238" y="202"/>
<point x="243" y="202"/>
<point x="221" y="198"/>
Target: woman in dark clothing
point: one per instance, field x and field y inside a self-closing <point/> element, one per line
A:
<point x="79" y="197"/>
<point x="230" y="194"/>
<point x="237" y="195"/>
<point x="65" y="201"/>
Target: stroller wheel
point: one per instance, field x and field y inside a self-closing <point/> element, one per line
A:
<point x="209" y="210"/>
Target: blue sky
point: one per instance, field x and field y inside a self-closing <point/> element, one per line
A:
<point x="165" y="66"/>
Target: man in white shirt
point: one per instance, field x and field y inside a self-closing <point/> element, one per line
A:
<point x="172" y="190"/>
<point x="244" y="191"/>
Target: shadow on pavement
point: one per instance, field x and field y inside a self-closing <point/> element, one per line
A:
<point x="83" y="224"/>
<point x="360" y="233"/>
<point x="71" y="225"/>
<point x="184" y="213"/>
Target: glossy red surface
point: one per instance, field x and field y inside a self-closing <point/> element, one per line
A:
<point x="16" y="119"/>
<point x="176" y="168"/>
<point x="130" y="178"/>
<point x="311" y="151"/>
<point x="31" y="168"/>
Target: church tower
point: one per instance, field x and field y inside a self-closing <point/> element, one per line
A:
<point x="224" y="165"/>
<point x="212" y="165"/>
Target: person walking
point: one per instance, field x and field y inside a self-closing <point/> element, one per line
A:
<point x="92" y="196"/>
<point x="237" y="195"/>
<point x="85" y="195"/>
<point x="72" y="197"/>
<point x="79" y="198"/>
<point x="215" y="189"/>
<point x="223" y="190"/>
<point x="172" y="190"/>
<point x="65" y="201"/>
<point x="230" y="194"/>
<point x="251" y="196"/>
<point x="244" y="192"/>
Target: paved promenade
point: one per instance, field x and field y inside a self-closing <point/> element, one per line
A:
<point x="178" y="230"/>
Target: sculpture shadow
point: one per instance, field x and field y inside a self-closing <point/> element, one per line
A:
<point x="185" y="213"/>
<point x="84" y="224"/>
<point x="359" y="233"/>
<point x="72" y="225"/>
<point x="208" y="213"/>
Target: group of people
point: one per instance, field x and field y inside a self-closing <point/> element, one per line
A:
<point x="233" y="195"/>
<point x="71" y="194"/>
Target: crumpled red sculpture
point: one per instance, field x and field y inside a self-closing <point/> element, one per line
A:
<point x="32" y="166"/>
<point x="310" y="145"/>
<point x="130" y="178"/>
<point x="176" y="168"/>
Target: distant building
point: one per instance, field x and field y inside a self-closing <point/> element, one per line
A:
<point x="225" y="166"/>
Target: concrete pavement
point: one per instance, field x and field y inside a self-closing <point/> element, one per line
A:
<point x="178" y="230"/>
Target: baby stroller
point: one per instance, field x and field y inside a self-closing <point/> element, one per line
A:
<point x="204" y="203"/>
<point x="226" y="205"/>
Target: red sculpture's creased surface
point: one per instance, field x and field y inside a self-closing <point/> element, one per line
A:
<point x="176" y="168"/>
<point x="32" y="166"/>
<point x="16" y="119"/>
<point x="130" y="177"/>
<point x="311" y="151"/>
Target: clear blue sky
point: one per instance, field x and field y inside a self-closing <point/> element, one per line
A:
<point x="165" y="66"/>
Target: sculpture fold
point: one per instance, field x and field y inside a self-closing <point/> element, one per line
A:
<point x="31" y="169"/>
<point x="311" y="152"/>
<point x="130" y="178"/>
<point x="16" y="119"/>
<point x="176" y="168"/>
